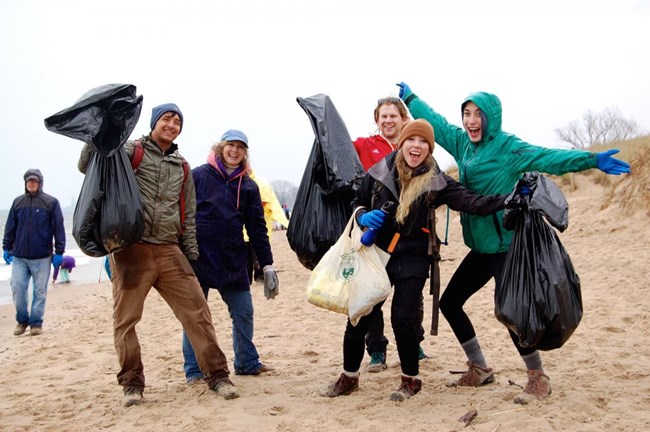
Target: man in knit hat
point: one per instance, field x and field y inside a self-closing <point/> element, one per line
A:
<point x="162" y="259"/>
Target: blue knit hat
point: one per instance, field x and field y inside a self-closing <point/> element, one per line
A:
<point x="235" y="135"/>
<point x="158" y="112"/>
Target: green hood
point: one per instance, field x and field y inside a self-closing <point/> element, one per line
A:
<point x="490" y="105"/>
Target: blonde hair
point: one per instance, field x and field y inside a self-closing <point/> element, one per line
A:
<point x="412" y="186"/>
<point x="218" y="150"/>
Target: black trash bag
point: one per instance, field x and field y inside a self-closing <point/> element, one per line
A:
<point x="544" y="197"/>
<point x="323" y="203"/>
<point x="108" y="216"/>
<point x="104" y="117"/>
<point x="539" y="297"/>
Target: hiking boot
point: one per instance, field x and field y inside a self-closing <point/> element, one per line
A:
<point x="20" y="329"/>
<point x="36" y="330"/>
<point x="538" y="387"/>
<point x="225" y="388"/>
<point x="343" y="386"/>
<point x="409" y="388"/>
<point x="377" y="362"/>
<point x="194" y="380"/>
<point x="132" y="396"/>
<point x="475" y="376"/>
<point x="421" y="354"/>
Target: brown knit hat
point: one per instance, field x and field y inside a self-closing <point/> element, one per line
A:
<point x="417" y="127"/>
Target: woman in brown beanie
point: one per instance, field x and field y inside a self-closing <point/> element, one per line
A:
<point x="410" y="178"/>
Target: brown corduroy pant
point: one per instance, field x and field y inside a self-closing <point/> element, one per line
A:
<point x="135" y="270"/>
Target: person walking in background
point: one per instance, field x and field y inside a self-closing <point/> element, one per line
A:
<point x="67" y="265"/>
<point x="409" y="177"/>
<point x="491" y="161"/>
<point x="390" y="116"/>
<point x="227" y="201"/>
<point x="162" y="259"/>
<point x="34" y="226"/>
<point x="273" y="212"/>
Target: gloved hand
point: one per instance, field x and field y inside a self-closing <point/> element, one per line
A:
<point x="609" y="165"/>
<point x="271" y="282"/>
<point x="8" y="257"/>
<point x="57" y="260"/>
<point x="372" y="219"/>
<point x="404" y="90"/>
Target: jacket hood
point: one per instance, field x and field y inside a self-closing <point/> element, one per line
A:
<point x="490" y="105"/>
<point x="33" y="172"/>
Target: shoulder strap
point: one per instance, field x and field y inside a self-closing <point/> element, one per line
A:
<point x="138" y="154"/>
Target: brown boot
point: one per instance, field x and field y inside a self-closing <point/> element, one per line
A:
<point x="474" y="376"/>
<point x="409" y="388"/>
<point x="538" y="387"/>
<point x="343" y="386"/>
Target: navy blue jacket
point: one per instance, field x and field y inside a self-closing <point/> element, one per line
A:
<point x="223" y="209"/>
<point x="33" y="221"/>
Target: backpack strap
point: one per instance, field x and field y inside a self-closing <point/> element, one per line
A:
<point x="137" y="156"/>
<point x="136" y="160"/>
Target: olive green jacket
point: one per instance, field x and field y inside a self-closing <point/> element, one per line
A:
<point x="494" y="165"/>
<point x="160" y="179"/>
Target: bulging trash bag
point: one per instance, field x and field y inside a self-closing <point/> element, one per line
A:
<point x="544" y="196"/>
<point x="539" y="297"/>
<point x="108" y="216"/>
<point x="323" y="202"/>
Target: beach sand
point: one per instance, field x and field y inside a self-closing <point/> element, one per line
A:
<point x="65" y="379"/>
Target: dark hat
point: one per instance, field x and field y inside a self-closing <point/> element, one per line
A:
<point x="235" y="135"/>
<point x="417" y="127"/>
<point x="160" y="110"/>
<point x="33" y="174"/>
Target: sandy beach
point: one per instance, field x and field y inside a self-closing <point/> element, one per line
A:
<point x="65" y="379"/>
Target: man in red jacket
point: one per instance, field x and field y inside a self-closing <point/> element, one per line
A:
<point x="390" y="116"/>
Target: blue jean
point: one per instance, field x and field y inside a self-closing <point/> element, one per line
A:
<point x="247" y="360"/>
<point x="22" y="270"/>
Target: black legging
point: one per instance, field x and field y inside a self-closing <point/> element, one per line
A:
<point x="406" y="325"/>
<point x="471" y="275"/>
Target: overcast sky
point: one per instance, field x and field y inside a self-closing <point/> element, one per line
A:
<point x="241" y="64"/>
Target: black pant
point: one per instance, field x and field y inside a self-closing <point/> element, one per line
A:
<point x="375" y="339"/>
<point x="406" y="323"/>
<point x="471" y="275"/>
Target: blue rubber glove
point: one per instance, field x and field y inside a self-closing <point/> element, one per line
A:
<point x="372" y="219"/>
<point x="7" y="256"/>
<point x="57" y="260"/>
<point x="404" y="90"/>
<point x="609" y="165"/>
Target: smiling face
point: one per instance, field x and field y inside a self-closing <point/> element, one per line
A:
<point x="472" y="122"/>
<point x="167" y="129"/>
<point x="390" y="121"/>
<point x="233" y="153"/>
<point x="415" y="150"/>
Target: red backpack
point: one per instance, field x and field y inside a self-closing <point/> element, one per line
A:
<point x="136" y="160"/>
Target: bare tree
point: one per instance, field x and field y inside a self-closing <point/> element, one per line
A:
<point x="285" y="191"/>
<point x="598" y="128"/>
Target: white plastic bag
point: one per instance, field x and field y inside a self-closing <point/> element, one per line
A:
<point x="350" y="278"/>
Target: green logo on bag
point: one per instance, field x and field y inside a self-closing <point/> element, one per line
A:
<point x="348" y="266"/>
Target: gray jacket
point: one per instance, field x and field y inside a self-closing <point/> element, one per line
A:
<point x="160" y="179"/>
